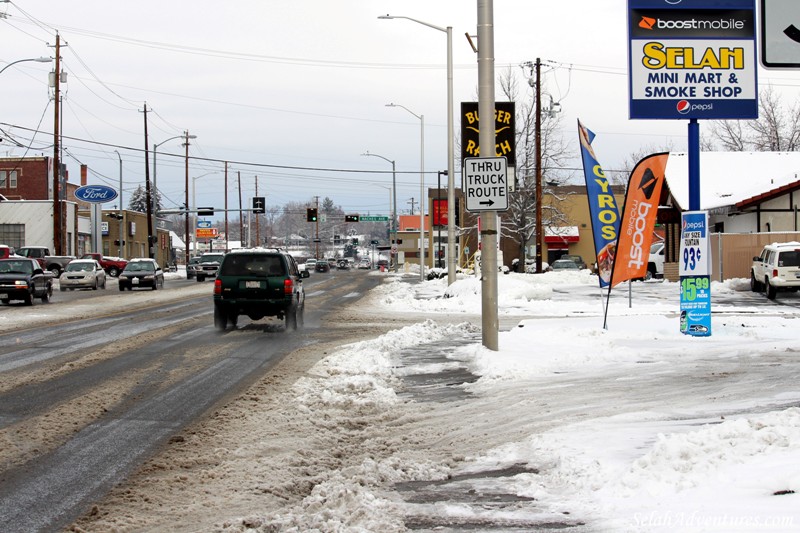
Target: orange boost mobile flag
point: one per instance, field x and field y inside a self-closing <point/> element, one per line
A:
<point x="639" y="218"/>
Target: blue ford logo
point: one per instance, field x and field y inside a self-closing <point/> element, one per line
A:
<point x="96" y="194"/>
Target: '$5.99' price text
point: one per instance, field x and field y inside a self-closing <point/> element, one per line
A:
<point x="690" y="286"/>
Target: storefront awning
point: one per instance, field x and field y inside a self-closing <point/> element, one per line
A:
<point x="561" y="235"/>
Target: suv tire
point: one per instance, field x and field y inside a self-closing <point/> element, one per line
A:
<point x="220" y="318"/>
<point x="291" y="319"/>
<point x="772" y="292"/>
<point x="755" y="286"/>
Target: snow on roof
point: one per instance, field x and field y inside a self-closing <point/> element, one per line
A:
<point x="177" y="242"/>
<point x="727" y="178"/>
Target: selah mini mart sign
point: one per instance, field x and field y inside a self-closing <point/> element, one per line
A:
<point x="692" y="59"/>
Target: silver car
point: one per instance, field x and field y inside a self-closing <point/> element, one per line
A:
<point x="82" y="274"/>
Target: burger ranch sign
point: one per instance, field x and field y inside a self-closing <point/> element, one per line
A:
<point x="692" y="63"/>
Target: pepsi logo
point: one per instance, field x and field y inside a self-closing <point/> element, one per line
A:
<point x="683" y="107"/>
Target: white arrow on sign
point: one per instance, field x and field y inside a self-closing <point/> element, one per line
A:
<point x="485" y="183"/>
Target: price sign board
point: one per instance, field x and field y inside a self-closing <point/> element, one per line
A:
<point x="695" y="271"/>
<point x="694" y="259"/>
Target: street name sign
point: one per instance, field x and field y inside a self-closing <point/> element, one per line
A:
<point x="362" y="218"/>
<point x="485" y="183"/>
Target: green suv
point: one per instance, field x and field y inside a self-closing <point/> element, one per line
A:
<point x="258" y="282"/>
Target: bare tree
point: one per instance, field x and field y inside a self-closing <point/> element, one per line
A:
<point x="520" y="219"/>
<point x="777" y="128"/>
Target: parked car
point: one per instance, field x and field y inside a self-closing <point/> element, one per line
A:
<point x="655" y="261"/>
<point x="23" y="278"/>
<point x="141" y="272"/>
<point x="322" y="266"/>
<point x="208" y="265"/>
<point x="6" y="251"/>
<point x="191" y="267"/>
<point x="576" y="258"/>
<point x="82" y="274"/>
<point x="776" y="269"/>
<point x="365" y="264"/>
<point x="112" y="265"/>
<point x="563" y="264"/>
<point x="259" y="282"/>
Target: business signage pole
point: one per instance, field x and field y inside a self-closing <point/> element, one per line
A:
<point x="695" y="62"/>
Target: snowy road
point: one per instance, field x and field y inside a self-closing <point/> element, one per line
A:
<point x="566" y="428"/>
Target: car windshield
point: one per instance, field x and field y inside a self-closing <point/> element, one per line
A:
<point x="252" y="265"/>
<point x="215" y="258"/>
<point x="140" y="267"/>
<point x="564" y="264"/>
<point x="16" y="267"/>
<point x="79" y="267"/>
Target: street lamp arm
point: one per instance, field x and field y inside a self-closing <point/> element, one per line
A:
<point x="404" y="107"/>
<point x="389" y="17"/>
<point x="376" y="155"/>
<point x="37" y="59"/>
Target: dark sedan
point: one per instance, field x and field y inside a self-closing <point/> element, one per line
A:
<point x="141" y="272"/>
<point x="322" y="266"/>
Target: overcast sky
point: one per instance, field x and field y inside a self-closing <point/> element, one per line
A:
<point x="302" y="84"/>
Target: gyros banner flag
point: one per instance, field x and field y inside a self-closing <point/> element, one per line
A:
<point x="603" y="209"/>
<point x="639" y="218"/>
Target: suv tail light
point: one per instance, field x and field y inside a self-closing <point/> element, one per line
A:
<point x="217" y="286"/>
<point x="288" y="287"/>
<point x="775" y="273"/>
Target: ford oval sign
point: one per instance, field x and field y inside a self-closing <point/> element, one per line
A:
<point x="96" y="194"/>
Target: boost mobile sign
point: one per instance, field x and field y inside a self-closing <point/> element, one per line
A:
<point x="692" y="59"/>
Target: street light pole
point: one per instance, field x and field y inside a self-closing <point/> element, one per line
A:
<point x="422" y="199"/>
<point x="186" y="198"/>
<point x="394" y="199"/>
<point x="452" y="259"/>
<point x="121" y="224"/>
<point x="154" y="205"/>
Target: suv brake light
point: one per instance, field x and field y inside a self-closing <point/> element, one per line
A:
<point x="217" y="286"/>
<point x="775" y="273"/>
<point x="288" y="287"/>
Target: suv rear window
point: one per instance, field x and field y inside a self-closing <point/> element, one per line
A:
<point x="253" y="265"/>
<point x="789" y="259"/>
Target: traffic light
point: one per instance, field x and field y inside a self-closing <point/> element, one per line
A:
<point x="311" y="214"/>
<point x="258" y="204"/>
<point x="351" y="218"/>
<point x="205" y="211"/>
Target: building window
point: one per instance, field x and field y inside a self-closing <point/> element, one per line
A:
<point x="13" y="235"/>
<point x="8" y="179"/>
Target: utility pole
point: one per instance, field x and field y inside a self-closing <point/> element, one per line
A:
<point x="316" y="239"/>
<point x="258" y="229"/>
<point x="227" y="239"/>
<point x="148" y="193"/>
<point x="489" y="317"/>
<point x="241" y="222"/>
<point x="413" y="203"/>
<point x="57" y="215"/>
<point x="538" y="164"/>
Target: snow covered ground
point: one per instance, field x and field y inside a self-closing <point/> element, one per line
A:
<point x="729" y="461"/>
<point x="631" y="428"/>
